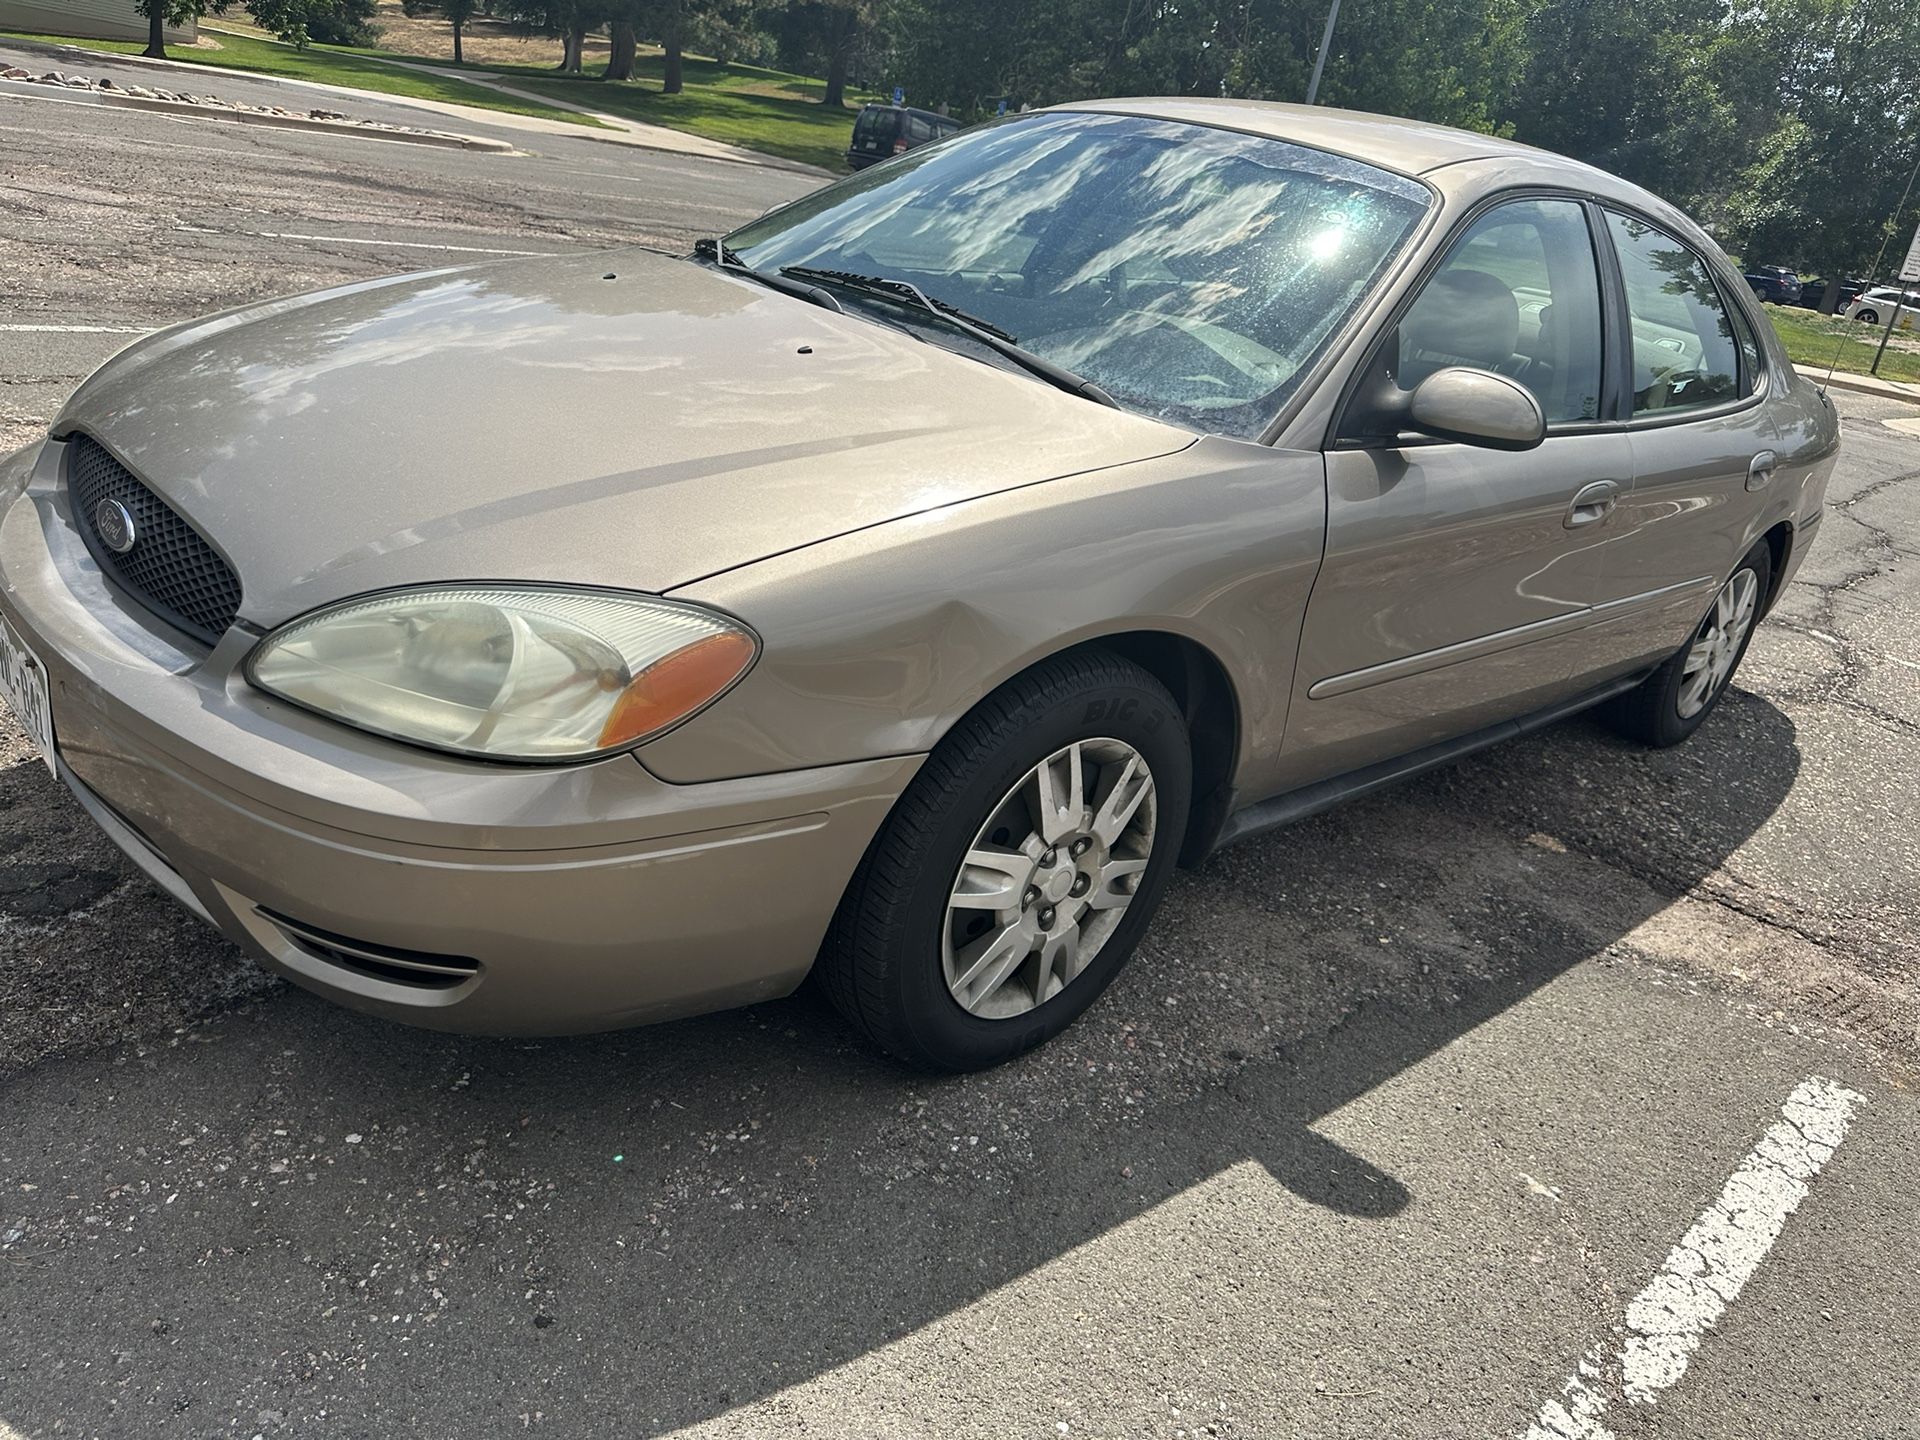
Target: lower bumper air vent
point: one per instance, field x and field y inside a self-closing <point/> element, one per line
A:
<point x="396" y="966"/>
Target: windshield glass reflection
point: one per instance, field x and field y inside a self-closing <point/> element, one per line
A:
<point x="1192" y="273"/>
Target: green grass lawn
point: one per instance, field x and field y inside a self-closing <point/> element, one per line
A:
<point x="1812" y="338"/>
<point x="765" y="110"/>
<point x="333" y="67"/>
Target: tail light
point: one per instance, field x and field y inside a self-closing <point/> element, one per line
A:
<point x="900" y="146"/>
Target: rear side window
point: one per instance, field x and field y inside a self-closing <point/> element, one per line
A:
<point x="1751" y="365"/>
<point x="1685" y="356"/>
<point x="875" y="128"/>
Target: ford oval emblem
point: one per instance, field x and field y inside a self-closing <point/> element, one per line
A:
<point x="114" y="524"/>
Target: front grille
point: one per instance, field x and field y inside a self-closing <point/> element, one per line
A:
<point x="170" y="569"/>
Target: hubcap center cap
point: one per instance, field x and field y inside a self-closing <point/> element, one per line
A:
<point x="1057" y="885"/>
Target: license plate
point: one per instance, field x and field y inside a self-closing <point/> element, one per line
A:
<point x="23" y="683"/>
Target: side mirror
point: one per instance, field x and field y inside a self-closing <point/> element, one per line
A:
<point x="1476" y="407"/>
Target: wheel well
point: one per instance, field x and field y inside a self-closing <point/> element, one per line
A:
<point x="1779" y="545"/>
<point x="1206" y="698"/>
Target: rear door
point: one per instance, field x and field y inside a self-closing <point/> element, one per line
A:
<point x="1456" y="577"/>
<point x="873" y="131"/>
<point x="1702" y="444"/>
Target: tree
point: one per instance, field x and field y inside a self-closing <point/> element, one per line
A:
<point x="1823" y="182"/>
<point x="824" y="35"/>
<point x="621" y="45"/>
<point x="162" y="13"/>
<point x="458" y="13"/>
<point x="328" y="22"/>
<point x="665" y="22"/>
<point x="567" y="20"/>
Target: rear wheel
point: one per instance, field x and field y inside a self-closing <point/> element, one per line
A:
<point x="1670" y="704"/>
<point x="1016" y="875"/>
<point x="1867" y="317"/>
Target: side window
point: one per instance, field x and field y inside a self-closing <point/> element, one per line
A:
<point x="1684" y="353"/>
<point x="1751" y="363"/>
<point x="1519" y="294"/>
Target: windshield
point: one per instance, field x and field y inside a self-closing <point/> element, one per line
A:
<point x="1192" y="273"/>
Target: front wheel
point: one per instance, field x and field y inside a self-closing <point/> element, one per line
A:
<point x="1019" y="870"/>
<point x="1670" y="704"/>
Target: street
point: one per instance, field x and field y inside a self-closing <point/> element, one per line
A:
<point x="1398" y="1116"/>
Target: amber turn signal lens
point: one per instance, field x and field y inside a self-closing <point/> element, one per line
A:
<point x="676" y="685"/>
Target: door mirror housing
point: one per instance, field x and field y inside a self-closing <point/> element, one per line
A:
<point x="1476" y="407"/>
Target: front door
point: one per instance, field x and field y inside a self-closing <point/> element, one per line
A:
<point x="1457" y="579"/>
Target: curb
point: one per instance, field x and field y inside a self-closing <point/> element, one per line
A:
<point x="1868" y="385"/>
<point x="445" y="140"/>
<point x="57" y="51"/>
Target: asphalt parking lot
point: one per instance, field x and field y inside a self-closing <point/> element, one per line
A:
<point x="1568" y="1092"/>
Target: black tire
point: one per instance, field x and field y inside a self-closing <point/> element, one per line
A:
<point x="1867" y="317"/>
<point x="1650" y="712"/>
<point x="881" y="964"/>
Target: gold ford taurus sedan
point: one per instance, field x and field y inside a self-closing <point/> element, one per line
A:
<point x="901" y="586"/>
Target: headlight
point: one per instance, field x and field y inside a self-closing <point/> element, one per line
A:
<point x="508" y="672"/>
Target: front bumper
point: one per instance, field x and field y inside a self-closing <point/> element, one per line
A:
<point x="442" y="892"/>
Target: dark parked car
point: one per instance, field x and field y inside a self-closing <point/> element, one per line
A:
<point x="1813" y="293"/>
<point x="1775" y="283"/>
<point x="884" y="131"/>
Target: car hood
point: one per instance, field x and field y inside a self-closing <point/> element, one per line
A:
<point x="622" y="419"/>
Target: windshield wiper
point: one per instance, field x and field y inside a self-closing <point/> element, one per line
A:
<point x="987" y="333"/>
<point x="722" y="254"/>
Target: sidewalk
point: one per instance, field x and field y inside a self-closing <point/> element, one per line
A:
<point x="617" y="131"/>
<point x="1867" y="385"/>
<point x="631" y="132"/>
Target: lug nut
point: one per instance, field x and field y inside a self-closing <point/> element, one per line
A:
<point x="1046" y="917"/>
<point x="1080" y="847"/>
<point x="1080" y="885"/>
<point x="1052" y="857"/>
<point x="1026" y="900"/>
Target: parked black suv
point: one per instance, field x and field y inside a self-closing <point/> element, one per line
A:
<point x="1775" y="283"/>
<point x="883" y="131"/>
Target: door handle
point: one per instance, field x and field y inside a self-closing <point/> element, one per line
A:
<point x="1760" y="472"/>
<point x="1593" y="504"/>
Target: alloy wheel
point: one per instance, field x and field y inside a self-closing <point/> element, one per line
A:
<point x="1048" y="878"/>
<point x="1716" y="644"/>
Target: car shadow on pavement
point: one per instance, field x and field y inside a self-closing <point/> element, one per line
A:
<point x="292" y="1208"/>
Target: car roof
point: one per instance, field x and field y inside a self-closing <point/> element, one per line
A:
<point x="908" y="110"/>
<point x="1412" y="147"/>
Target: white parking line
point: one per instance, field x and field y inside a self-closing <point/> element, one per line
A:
<point x="1706" y="1271"/>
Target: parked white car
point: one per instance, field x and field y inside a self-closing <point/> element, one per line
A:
<point x="1877" y="304"/>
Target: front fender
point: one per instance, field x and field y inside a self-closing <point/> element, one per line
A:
<point x="877" y="642"/>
